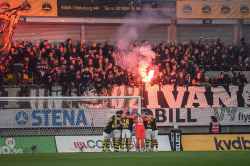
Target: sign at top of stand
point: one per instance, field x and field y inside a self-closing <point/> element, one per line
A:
<point x="115" y="8"/>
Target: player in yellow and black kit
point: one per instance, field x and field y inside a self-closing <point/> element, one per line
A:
<point x="154" y="141"/>
<point x="148" y="131"/>
<point x="116" y="133"/>
<point x="107" y="130"/>
<point x="106" y="136"/>
<point x="127" y="126"/>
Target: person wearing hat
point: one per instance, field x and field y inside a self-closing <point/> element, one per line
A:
<point x="214" y="126"/>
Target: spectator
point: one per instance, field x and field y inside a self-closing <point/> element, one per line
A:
<point x="235" y="80"/>
<point x="181" y="80"/>
<point x="212" y="81"/>
<point x="243" y="80"/>
<point x="108" y="49"/>
<point x="239" y="66"/>
<point x="69" y="46"/>
<point x="33" y="67"/>
<point x="1" y="75"/>
<point x="72" y="79"/>
<point x="206" y="82"/>
<point x="74" y="54"/>
<point x="213" y="63"/>
<point x="111" y="81"/>
<point x="214" y="126"/>
<point x="86" y="80"/>
<point x="202" y="60"/>
<point x="64" y="80"/>
<point x="187" y="79"/>
<point x="223" y="62"/>
<point x="47" y="80"/>
<point x="17" y="60"/>
<point x="98" y="83"/>
<point x="44" y="44"/>
<point x="221" y="80"/>
<point x="227" y="77"/>
<point x="197" y="79"/>
<point x="93" y="48"/>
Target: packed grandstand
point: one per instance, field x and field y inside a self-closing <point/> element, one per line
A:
<point x="102" y="65"/>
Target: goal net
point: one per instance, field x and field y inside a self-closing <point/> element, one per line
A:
<point x="32" y="116"/>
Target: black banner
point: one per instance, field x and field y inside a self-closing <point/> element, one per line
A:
<point x="175" y="140"/>
<point x="116" y="8"/>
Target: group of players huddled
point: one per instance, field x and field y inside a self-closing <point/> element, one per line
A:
<point x="119" y="128"/>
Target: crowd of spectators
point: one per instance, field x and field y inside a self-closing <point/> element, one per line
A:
<point x="78" y="66"/>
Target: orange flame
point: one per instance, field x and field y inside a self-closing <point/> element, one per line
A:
<point x="147" y="78"/>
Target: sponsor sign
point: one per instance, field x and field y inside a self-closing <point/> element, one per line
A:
<point x="216" y="142"/>
<point x="114" y="8"/>
<point x="14" y="118"/>
<point x="94" y="143"/>
<point x="201" y="9"/>
<point x="24" y="118"/>
<point x="33" y="8"/>
<point x="19" y="145"/>
<point x="200" y="116"/>
<point x="22" y="19"/>
<point x="175" y="140"/>
<point x="207" y="21"/>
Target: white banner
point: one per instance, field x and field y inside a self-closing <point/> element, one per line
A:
<point x="24" y="118"/>
<point x="94" y="143"/>
<point x="15" y="118"/>
<point x="200" y="116"/>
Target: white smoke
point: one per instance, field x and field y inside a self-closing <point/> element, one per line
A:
<point x="141" y="57"/>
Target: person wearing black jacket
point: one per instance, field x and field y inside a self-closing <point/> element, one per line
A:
<point x="221" y="80"/>
<point x="17" y="60"/>
<point x="227" y="78"/>
<point x="118" y="79"/>
<point x="108" y="49"/>
<point x="223" y="62"/>
<point x="47" y="80"/>
<point x="243" y="80"/>
<point x="86" y="80"/>
<point x="63" y="81"/>
<point x="33" y="66"/>
<point x="235" y="80"/>
<point x="98" y="83"/>
<point x="72" y="78"/>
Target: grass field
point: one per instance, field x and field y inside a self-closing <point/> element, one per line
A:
<point x="211" y="158"/>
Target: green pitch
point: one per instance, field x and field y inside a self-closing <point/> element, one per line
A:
<point x="211" y="158"/>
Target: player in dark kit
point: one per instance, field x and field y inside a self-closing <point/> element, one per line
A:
<point x="127" y="125"/>
<point x="116" y="133"/>
<point x="106" y="133"/>
<point x="148" y="131"/>
<point x="154" y="141"/>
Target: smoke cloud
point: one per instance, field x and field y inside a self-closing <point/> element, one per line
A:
<point x="141" y="57"/>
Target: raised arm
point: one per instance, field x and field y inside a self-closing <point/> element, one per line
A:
<point x="131" y="117"/>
